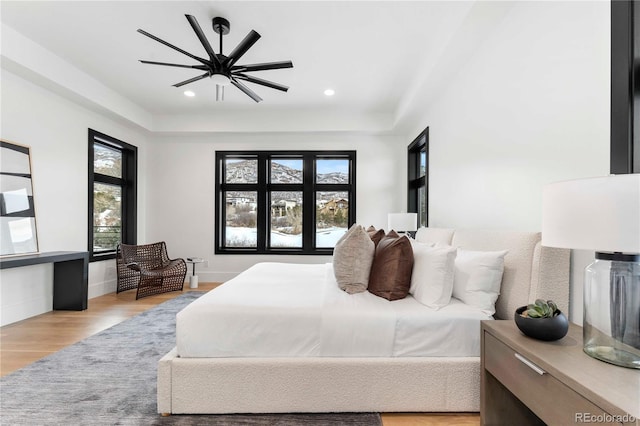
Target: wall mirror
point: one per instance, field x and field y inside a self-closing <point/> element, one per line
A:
<point x="17" y="213"/>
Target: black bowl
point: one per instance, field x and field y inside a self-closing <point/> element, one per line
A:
<point x="549" y="329"/>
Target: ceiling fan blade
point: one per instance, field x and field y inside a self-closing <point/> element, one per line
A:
<point x="241" y="48"/>
<point x="184" y="52"/>
<point x="191" y="80"/>
<point x="262" y="82"/>
<point x="198" y="67"/>
<point x="205" y="43"/>
<point x="264" y="66"/>
<point x="246" y="90"/>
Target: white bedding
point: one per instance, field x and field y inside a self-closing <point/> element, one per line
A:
<point x="297" y="310"/>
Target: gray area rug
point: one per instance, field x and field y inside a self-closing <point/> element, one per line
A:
<point x="110" y="379"/>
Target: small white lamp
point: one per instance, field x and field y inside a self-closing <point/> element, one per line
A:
<point x="402" y="222"/>
<point x="602" y="214"/>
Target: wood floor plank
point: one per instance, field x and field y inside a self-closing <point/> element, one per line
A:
<point x="27" y="341"/>
<point x="431" y="419"/>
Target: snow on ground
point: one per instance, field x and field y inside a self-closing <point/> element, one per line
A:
<point x="247" y="237"/>
<point x="329" y="237"/>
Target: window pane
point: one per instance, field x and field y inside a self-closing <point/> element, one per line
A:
<point x="107" y="161"/>
<point x="422" y="206"/>
<point x="107" y="216"/>
<point x="423" y="164"/>
<point x="285" y="170"/>
<point x="241" y="222"/>
<point x="332" y="217"/>
<point x="241" y="171"/>
<point x="332" y="171"/>
<point x="286" y="219"/>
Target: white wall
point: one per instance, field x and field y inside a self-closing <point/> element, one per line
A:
<point x="57" y="131"/>
<point x="529" y="107"/>
<point x="181" y="177"/>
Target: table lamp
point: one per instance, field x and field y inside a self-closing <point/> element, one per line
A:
<point x="402" y="222"/>
<point x="602" y="214"/>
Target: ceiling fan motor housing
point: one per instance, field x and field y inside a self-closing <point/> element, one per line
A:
<point x="221" y="78"/>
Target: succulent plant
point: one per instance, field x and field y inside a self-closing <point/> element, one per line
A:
<point x="541" y="309"/>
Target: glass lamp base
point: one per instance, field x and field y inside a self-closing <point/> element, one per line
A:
<point x="613" y="356"/>
<point x="611" y="326"/>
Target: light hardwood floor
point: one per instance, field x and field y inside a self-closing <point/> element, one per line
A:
<point x="29" y="340"/>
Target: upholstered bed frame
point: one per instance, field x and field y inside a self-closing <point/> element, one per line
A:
<point x="430" y="384"/>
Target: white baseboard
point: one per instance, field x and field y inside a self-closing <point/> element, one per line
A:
<point x="26" y="309"/>
<point x="101" y="288"/>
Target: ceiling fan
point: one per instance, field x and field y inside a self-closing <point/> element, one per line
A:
<point x="223" y="69"/>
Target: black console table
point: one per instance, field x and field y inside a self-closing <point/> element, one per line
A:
<point x="70" y="276"/>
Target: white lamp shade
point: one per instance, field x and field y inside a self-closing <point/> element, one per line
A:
<point x="601" y="214"/>
<point x="402" y="222"/>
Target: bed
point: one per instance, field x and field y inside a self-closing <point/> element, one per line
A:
<point x="398" y="361"/>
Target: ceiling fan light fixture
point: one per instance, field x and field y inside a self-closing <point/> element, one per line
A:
<point x="221" y="79"/>
<point x="189" y="93"/>
<point x="222" y="69"/>
<point x="329" y="92"/>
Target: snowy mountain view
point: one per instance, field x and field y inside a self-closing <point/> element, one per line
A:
<point x="246" y="171"/>
<point x="332" y="207"/>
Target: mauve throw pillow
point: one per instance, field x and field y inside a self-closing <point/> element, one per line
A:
<point x="392" y="265"/>
<point x="375" y="234"/>
<point x="352" y="258"/>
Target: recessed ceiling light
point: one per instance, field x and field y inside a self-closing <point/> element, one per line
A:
<point x="189" y="93"/>
<point x="329" y="92"/>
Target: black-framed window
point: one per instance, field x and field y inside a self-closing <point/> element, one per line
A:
<point x="283" y="202"/>
<point x="418" y="175"/>
<point x="113" y="169"/>
<point x="625" y="87"/>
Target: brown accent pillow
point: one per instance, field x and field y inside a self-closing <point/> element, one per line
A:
<point x="375" y="234"/>
<point x="390" y="276"/>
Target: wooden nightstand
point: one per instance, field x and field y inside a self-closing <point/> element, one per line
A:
<point x="530" y="382"/>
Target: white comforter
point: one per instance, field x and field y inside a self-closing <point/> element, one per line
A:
<point x="294" y="310"/>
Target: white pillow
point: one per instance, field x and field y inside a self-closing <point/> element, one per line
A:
<point x="434" y="235"/>
<point x="352" y="258"/>
<point x="432" y="276"/>
<point x="477" y="279"/>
